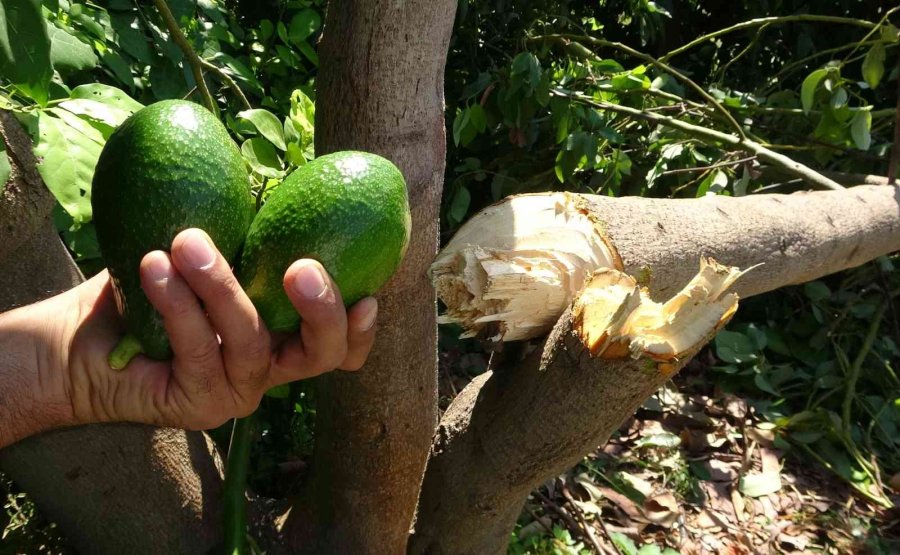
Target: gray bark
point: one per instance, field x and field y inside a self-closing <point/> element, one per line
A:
<point x="381" y="90"/>
<point x="532" y="418"/>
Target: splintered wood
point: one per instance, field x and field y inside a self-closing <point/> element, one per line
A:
<point x="513" y="269"/>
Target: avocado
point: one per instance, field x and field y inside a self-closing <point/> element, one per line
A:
<point x="348" y="210"/>
<point x="168" y="167"/>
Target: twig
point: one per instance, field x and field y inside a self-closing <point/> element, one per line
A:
<point x="744" y="144"/>
<point x="850" y="389"/>
<point x="881" y="22"/>
<point x="588" y="529"/>
<point x="743" y="52"/>
<point x="565" y="38"/>
<point x="570" y="522"/>
<point x="232" y="84"/>
<point x="191" y="57"/>
<point x="768" y="21"/>
<point x="710" y="167"/>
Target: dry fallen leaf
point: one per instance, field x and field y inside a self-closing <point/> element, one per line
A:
<point x="662" y="509"/>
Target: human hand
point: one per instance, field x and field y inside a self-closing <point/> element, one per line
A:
<point x="224" y="357"/>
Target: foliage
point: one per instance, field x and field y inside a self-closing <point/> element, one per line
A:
<point x="535" y="92"/>
<point x="816" y="366"/>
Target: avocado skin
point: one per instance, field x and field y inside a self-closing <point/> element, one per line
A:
<point x="168" y="167"/>
<point x="348" y="210"/>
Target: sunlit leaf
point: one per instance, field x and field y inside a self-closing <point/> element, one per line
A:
<point x="68" y="158"/>
<point x="262" y="157"/>
<point x="758" y="485"/>
<point x="873" y="65"/>
<point x="860" y="129"/>
<point x="808" y="88"/>
<point x="267" y="124"/>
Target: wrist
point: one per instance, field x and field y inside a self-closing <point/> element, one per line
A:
<point x="33" y="382"/>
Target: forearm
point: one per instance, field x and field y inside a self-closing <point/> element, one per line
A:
<point x="32" y="386"/>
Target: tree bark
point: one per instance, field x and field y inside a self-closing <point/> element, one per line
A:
<point x="112" y="488"/>
<point x="381" y="90"/>
<point x="533" y="417"/>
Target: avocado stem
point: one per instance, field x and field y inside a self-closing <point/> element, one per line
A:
<point x="234" y="496"/>
<point x="127" y="348"/>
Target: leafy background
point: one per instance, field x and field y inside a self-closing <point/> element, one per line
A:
<point x="813" y="365"/>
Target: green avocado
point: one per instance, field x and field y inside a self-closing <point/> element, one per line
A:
<point x="348" y="210"/>
<point x="168" y="167"/>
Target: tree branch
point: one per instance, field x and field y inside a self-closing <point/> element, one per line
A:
<point x="744" y="144"/>
<point x="768" y="21"/>
<point x="715" y="104"/>
<point x="232" y="84"/>
<point x="191" y="57"/>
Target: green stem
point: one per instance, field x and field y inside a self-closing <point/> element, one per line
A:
<point x="126" y="349"/>
<point x="235" y="88"/>
<point x="787" y="164"/>
<point x="850" y="389"/>
<point x="234" y="511"/>
<point x="191" y="57"/>
<point x="768" y="21"/>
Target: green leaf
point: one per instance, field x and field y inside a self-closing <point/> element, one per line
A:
<point x="5" y="168"/>
<point x="873" y="65"/>
<point x="816" y="290"/>
<point x="299" y="126"/>
<point x="309" y="52"/>
<point x="25" y="48"/>
<point x="282" y="391"/>
<point x="734" y="347"/>
<point x="119" y="67"/>
<point x="808" y="88"/>
<point x="105" y="94"/>
<point x="758" y="485"/>
<point x="459" y="206"/>
<point x="261" y="156"/>
<point x="68" y="53"/>
<point x="95" y="131"/>
<point x="112" y="116"/>
<point x="860" y="129"/>
<point x="130" y="36"/>
<point x="67" y="164"/>
<point x="267" y="124"/>
<point x="303" y="25"/>
<point x="650" y="549"/>
<point x="623" y="543"/>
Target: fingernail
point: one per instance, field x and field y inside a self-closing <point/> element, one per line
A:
<point x="369" y="312"/>
<point x="309" y="282"/>
<point x="157" y="266"/>
<point x="197" y="251"/>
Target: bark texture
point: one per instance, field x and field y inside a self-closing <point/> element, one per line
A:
<point x="566" y="404"/>
<point x="113" y="488"/>
<point x="512" y="429"/>
<point x="381" y="90"/>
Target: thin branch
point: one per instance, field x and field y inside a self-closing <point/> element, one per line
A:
<point x="758" y="35"/>
<point x="850" y="388"/>
<point x="747" y="145"/>
<point x="232" y="84"/>
<point x="881" y="22"/>
<point x="588" y="530"/>
<point x="710" y="167"/>
<point x="191" y="57"/>
<point x="565" y="39"/>
<point x="768" y="21"/>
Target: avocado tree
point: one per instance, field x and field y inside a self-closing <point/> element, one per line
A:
<point x="600" y="300"/>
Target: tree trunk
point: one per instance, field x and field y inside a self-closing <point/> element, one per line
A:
<point x="381" y="90"/>
<point x="112" y="488"/>
<point x="562" y="400"/>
